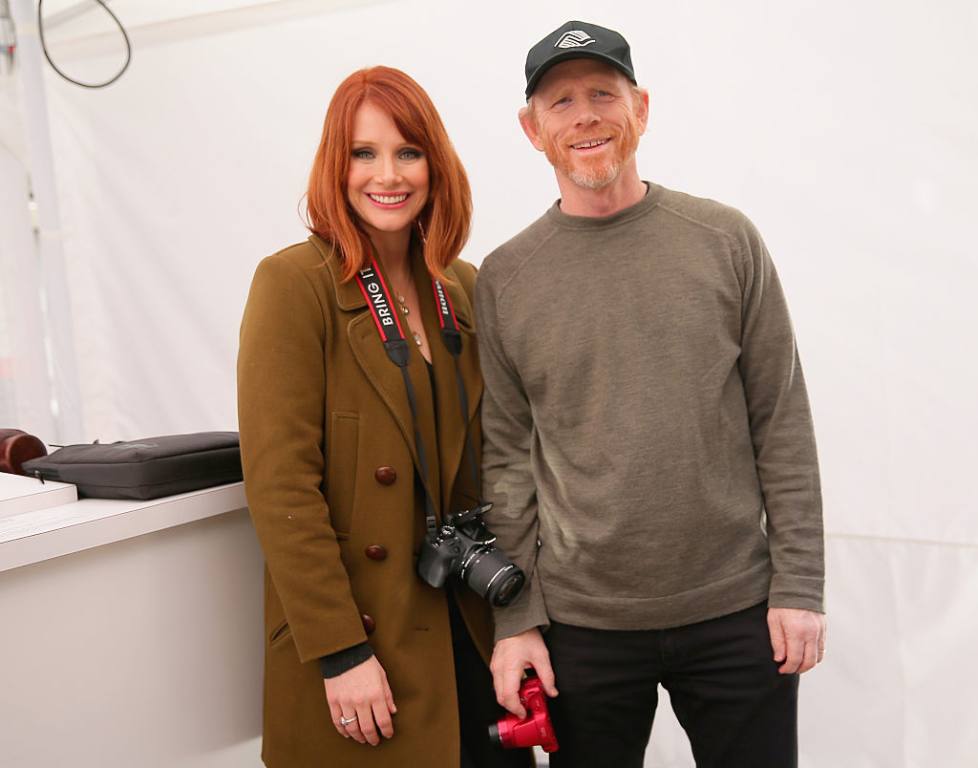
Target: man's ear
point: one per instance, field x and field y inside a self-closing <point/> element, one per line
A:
<point x="529" y="124"/>
<point x="641" y="99"/>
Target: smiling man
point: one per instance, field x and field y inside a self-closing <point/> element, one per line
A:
<point x="648" y="444"/>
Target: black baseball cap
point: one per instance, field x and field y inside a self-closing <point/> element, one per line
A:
<point x="577" y="40"/>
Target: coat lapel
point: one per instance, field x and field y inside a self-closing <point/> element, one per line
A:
<point x="386" y="378"/>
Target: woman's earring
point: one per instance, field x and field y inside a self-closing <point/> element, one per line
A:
<point x="424" y="239"/>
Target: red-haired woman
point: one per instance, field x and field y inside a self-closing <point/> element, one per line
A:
<point x="353" y="447"/>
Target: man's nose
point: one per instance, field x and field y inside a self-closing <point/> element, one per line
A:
<point x="586" y="115"/>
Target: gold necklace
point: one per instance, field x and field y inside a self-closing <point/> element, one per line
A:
<point x="404" y="308"/>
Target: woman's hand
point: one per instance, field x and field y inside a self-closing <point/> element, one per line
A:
<point x="362" y="692"/>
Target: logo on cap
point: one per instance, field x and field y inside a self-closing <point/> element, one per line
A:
<point x="574" y="38"/>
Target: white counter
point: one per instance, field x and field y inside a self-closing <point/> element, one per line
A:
<point x="41" y="534"/>
<point x="131" y="634"/>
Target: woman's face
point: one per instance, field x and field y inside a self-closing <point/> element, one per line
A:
<point x="387" y="184"/>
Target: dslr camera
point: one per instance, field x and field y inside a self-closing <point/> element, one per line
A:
<point x="463" y="547"/>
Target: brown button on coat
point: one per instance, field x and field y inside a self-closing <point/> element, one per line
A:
<point x="386" y="475"/>
<point x="321" y="407"/>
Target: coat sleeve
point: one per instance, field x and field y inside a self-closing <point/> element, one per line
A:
<point x="281" y="410"/>
<point x="782" y="434"/>
<point x="507" y="427"/>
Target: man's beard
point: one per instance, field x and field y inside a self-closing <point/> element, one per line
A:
<point x="597" y="174"/>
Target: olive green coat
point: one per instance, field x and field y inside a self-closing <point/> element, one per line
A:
<point x="321" y="409"/>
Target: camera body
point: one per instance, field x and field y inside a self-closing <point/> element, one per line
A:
<point x="535" y="730"/>
<point x="464" y="547"/>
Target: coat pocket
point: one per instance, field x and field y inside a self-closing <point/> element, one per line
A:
<point x="281" y="631"/>
<point x="341" y="470"/>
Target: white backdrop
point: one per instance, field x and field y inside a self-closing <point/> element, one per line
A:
<point x="846" y="131"/>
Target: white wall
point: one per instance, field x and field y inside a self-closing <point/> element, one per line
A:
<point x="25" y="394"/>
<point x="846" y="131"/>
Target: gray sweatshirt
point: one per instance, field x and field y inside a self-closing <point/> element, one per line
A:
<point x="648" y="439"/>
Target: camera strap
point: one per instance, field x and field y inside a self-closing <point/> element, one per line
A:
<point x="388" y="322"/>
<point x="452" y="337"/>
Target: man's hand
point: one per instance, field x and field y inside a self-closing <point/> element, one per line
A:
<point x="513" y="655"/>
<point x="797" y="637"/>
<point x="362" y="693"/>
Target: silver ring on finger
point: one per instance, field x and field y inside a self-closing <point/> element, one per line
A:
<point x="345" y="721"/>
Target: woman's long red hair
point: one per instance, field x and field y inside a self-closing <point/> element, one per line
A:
<point x="448" y="212"/>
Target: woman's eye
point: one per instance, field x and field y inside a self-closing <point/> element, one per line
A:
<point x="362" y="154"/>
<point x="411" y="154"/>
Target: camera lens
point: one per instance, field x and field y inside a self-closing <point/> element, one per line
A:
<point x="492" y="575"/>
<point x="509" y="587"/>
<point x="494" y="734"/>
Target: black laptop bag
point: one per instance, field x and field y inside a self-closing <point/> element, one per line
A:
<point x="144" y="469"/>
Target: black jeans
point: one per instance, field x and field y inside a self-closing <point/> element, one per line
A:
<point x="723" y="683"/>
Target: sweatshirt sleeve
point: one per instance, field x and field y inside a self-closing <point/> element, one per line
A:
<point x="281" y="405"/>
<point x="782" y="434"/>
<point x="507" y="427"/>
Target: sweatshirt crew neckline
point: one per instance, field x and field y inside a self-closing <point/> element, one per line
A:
<point x="643" y="206"/>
